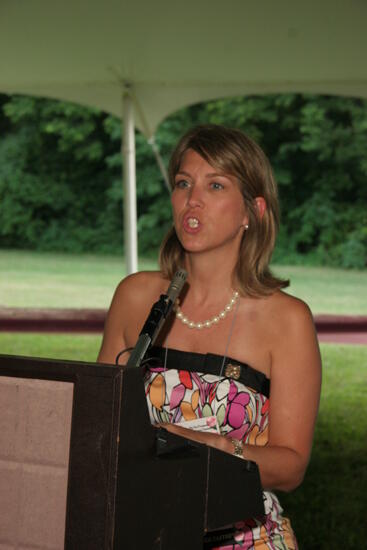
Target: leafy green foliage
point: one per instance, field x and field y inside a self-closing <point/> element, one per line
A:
<point x="317" y="147"/>
<point x="61" y="185"/>
<point x="52" y="177"/>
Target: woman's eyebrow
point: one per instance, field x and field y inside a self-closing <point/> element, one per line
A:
<point x="216" y="175"/>
<point x="209" y="175"/>
<point x="182" y="173"/>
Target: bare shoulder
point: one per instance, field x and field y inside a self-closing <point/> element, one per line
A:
<point x="140" y="287"/>
<point x="142" y="278"/>
<point x="130" y="305"/>
<point x="134" y="296"/>
<point x="289" y="312"/>
<point x="289" y="323"/>
<point x="294" y="345"/>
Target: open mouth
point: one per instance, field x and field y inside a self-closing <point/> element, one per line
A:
<point x="193" y="223"/>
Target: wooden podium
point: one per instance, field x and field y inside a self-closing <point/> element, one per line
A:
<point x="131" y="486"/>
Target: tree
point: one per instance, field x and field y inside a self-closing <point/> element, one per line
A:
<point x="60" y="173"/>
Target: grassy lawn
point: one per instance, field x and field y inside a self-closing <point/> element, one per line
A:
<point x="32" y="279"/>
<point x="328" y="290"/>
<point x="329" y="509"/>
<point x="81" y="347"/>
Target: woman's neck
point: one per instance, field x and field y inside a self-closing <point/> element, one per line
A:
<point x="209" y="276"/>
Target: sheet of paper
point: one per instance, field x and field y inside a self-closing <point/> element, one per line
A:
<point x="205" y="424"/>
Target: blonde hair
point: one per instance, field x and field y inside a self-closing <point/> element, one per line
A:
<point x="232" y="152"/>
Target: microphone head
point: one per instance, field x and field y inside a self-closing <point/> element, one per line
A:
<point x="177" y="284"/>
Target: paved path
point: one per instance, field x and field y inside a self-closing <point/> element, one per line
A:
<point x="330" y="328"/>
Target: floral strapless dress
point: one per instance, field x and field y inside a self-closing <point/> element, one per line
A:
<point x="184" y="386"/>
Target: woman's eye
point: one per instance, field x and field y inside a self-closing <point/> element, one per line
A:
<point x="181" y="184"/>
<point x="216" y="185"/>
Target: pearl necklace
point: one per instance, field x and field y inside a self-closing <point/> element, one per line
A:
<point x="209" y="322"/>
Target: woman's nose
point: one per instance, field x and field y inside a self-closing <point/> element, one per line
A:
<point x="195" y="196"/>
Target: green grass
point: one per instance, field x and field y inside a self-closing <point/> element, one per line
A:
<point x="329" y="509"/>
<point x="81" y="347"/>
<point x="328" y="290"/>
<point x="33" y="279"/>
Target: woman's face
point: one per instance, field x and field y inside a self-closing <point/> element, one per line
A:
<point x="208" y="208"/>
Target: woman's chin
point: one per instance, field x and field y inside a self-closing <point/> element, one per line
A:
<point x="197" y="248"/>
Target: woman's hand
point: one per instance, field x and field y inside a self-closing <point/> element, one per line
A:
<point x="210" y="439"/>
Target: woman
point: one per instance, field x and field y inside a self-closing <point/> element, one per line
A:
<point x="234" y="328"/>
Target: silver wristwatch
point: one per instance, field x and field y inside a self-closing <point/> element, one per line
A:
<point x="237" y="447"/>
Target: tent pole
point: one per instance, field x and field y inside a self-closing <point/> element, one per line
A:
<point x="129" y="183"/>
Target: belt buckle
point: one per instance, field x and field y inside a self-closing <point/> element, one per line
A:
<point x="233" y="371"/>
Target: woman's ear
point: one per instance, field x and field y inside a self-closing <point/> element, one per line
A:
<point x="260" y="206"/>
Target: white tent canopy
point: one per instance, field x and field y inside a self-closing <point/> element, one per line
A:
<point x="171" y="54"/>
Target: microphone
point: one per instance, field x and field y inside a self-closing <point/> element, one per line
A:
<point x="177" y="283"/>
<point x="156" y="318"/>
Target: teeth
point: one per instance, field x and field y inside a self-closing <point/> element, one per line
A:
<point x="193" y="222"/>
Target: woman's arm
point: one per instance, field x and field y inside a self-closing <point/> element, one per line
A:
<point x="114" y="329"/>
<point x="294" y="399"/>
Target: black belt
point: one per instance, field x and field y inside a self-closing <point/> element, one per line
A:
<point x="210" y="363"/>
